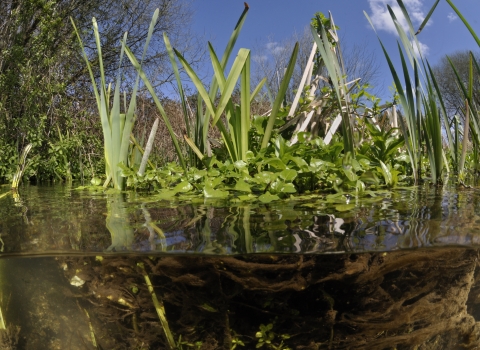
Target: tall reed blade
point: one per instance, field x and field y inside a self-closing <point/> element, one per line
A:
<point x="409" y="129"/>
<point x="141" y="74"/>
<point x="336" y="74"/>
<point x="465" y="22"/>
<point x="427" y="17"/>
<point x="279" y="99"/>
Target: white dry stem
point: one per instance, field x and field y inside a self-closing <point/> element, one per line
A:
<point x="302" y="82"/>
<point x="148" y="147"/>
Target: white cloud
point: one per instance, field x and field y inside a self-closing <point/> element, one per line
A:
<point x="451" y="17"/>
<point x="424" y="49"/>
<point x="274" y="48"/>
<point x="382" y="20"/>
<point x="259" y="58"/>
<point x="271" y="45"/>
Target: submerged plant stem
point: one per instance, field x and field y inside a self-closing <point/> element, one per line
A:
<point x="159" y="307"/>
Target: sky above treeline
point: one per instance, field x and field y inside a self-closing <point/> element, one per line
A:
<point x="271" y="21"/>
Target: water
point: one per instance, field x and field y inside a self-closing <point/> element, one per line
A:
<point x="397" y="271"/>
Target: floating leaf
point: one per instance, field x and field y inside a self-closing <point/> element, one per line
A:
<point x="248" y="197"/>
<point x="344" y="207"/>
<point x="167" y="194"/>
<point x="210" y="192"/>
<point x="287" y="188"/>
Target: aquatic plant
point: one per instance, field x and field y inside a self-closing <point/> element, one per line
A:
<point x="411" y="98"/>
<point x="117" y="126"/>
<point x="331" y="59"/>
<point x="21" y="166"/>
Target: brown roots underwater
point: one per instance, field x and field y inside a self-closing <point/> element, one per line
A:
<point x="421" y="299"/>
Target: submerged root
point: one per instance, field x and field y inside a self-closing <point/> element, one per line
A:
<point x="9" y="338"/>
<point x="370" y="301"/>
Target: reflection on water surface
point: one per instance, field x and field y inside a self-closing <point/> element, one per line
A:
<point x="58" y="219"/>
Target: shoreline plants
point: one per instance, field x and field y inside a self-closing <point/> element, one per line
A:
<point x="329" y="138"/>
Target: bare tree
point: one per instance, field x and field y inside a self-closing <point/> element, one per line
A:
<point x="451" y="92"/>
<point x="271" y="59"/>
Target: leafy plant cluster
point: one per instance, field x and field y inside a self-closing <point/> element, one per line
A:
<point x="280" y="171"/>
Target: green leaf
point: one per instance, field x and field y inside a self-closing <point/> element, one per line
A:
<point x="167" y="194"/>
<point x="183" y="187"/>
<point x="96" y="181"/>
<point x="287" y="188"/>
<point x="247" y="197"/>
<point x="465" y="22"/>
<point x="240" y="164"/>
<point x="265" y="177"/>
<point x="268" y="197"/>
<point x="288" y="175"/>
<point x="424" y="23"/>
<point x="210" y="192"/>
<point x="280" y="96"/>
<point x="276" y="163"/>
<point x="344" y="207"/>
<point x="242" y="186"/>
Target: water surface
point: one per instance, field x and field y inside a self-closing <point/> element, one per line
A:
<point x="62" y="220"/>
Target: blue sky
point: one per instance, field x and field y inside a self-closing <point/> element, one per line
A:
<point x="278" y="19"/>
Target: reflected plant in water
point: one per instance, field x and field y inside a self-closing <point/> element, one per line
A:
<point x="118" y="224"/>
